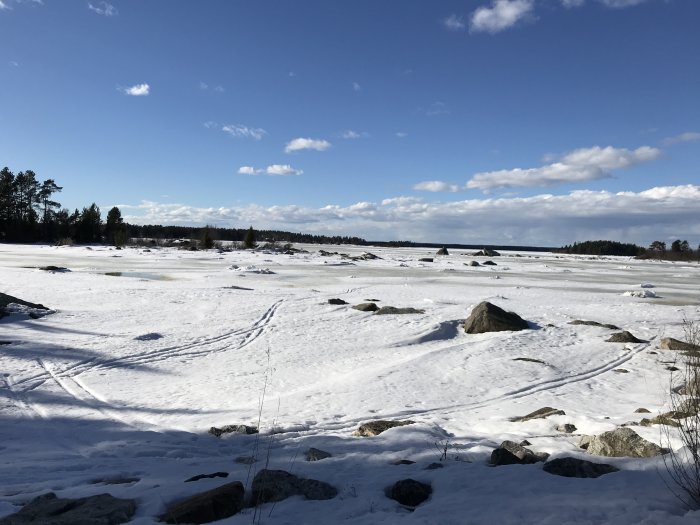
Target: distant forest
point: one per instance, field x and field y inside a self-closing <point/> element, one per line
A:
<point x="30" y="213"/>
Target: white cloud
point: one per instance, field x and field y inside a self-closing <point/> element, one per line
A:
<point x="14" y="63"/>
<point x="3" y="5"/>
<point x="356" y="86"/>
<point x="401" y="134"/>
<point x="580" y="165"/>
<point x="350" y="134"/>
<point x="282" y="169"/>
<point x="300" y="144"/>
<point x="210" y="124"/>
<point x="139" y="90"/>
<point x="572" y="3"/>
<point x="435" y="109"/>
<point x="688" y="136"/>
<point x="617" y="4"/>
<point x="501" y="15"/>
<point x="103" y="8"/>
<point x="219" y="89"/>
<point x="245" y="132"/>
<point x="203" y="86"/>
<point x="436" y="186"/>
<point x="272" y="169"/>
<point x="540" y="220"/>
<point x="454" y="23"/>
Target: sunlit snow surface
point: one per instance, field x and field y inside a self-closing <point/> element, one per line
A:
<point x="125" y="379"/>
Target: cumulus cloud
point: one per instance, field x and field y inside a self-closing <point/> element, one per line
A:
<point x="272" y="169"/>
<point x="245" y="132"/>
<point x="580" y="165"/>
<point x="436" y="186"/>
<point x="688" y="136"/>
<point x="300" y="144"/>
<point x="103" y="8"/>
<point x="540" y="220"/>
<point x="454" y="23"/>
<point x="501" y="15"/>
<point x="139" y="90"/>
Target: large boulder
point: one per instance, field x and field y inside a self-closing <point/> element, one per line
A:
<point x="47" y="509"/>
<point x="212" y="505"/>
<point x="374" y="428"/>
<point x="487" y="317"/>
<point x="277" y="485"/>
<point x="622" y="442"/>
<point x="623" y="337"/>
<point x="510" y="453"/>
<point x="14" y="305"/>
<point x="442" y="251"/>
<point x="669" y="343"/>
<point x="410" y="492"/>
<point x="577" y="468"/>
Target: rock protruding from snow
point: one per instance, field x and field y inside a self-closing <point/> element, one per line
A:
<point x="669" y="343"/>
<point x="540" y="413"/>
<point x="233" y="429"/>
<point x="623" y="337"/>
<point x="337" y="301"/>
<point x="472" y="263"/>
<point x="374" y="428"/>
<point x="14" y="305"/>
<point x="510" y="453"/>
<point x="103" y="509"/>
<point x="577" y="468"/>
<point x="622" y="442"/>
<point x="487" y="253"/>
<point x="207" y="476"/>
<point x="212" y="505"/>
<point x="644" y="294"/>
<point x="315" y="454"/>
<point x="366" y="307"/>
<point x="594" y="323"/>
<point x="487" y="317"/>
<point x="277" y="485"/>
<point x="410" y="492"/>
<point x="425" y="259"/>
<point x="567" y="428"/>
<point x="392" y="310"/>
<point x="442" y="251"/>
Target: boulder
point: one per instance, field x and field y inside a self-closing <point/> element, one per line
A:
<point x="623" y="337"/>
<point x="442" y="251"/>
<point x="594" y="323"/>
<point x="472" y="263"/>
<point x="374" y="428"/>
<point x="426" y="259"/>
<point x="207" y="476"/>
<point x="103" y="509"/>
<point x="366" y="307"/>
<point x="567" y="428"/>
<point x="410" y="492"/>
<point x="642" y="411"/>
<point x="669" y="343"/>
<point x="489" y="263"/>
<point x="233" y="429"/>
<point x="622" y="442"/>
<point x="510" y="453"/>
<point x="212" y="505"/>
<point x="14" y="305"/>
<point x="487" y="317"/>
<point x="53" y="269"/>
<point x="336" y="301"/>
<point x="540" y="413"/>
<point x="314" y="454"/>
<point x="277" y="485"/>
<point x="487" y="253"/>
<point x="577" y="468"/>
<point x="392" y="310"/>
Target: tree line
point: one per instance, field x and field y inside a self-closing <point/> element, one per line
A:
<point x="679" y="249"/>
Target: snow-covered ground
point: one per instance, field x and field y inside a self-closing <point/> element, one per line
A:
<point x="128" y="375"/>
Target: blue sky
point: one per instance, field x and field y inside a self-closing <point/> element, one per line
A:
<point x="483" y="121"/>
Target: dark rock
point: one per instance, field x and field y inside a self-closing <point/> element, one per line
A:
<point x="622" y="442"/>
<point x="642" y="411"/>
<point x="366" y="307"/>
<point x="47" y="509"/>
<point x="153" y="336"/>
<point x="489" y="263"/>
<point x="434" y="466"/>
<point x="487" y="253"/>
<point x="392" y="310"/>
<point x="510" y="453"/>
<point x="410" y="492"/>
<point x="9" y="299"/>
<point x="336" y="301"/>
<point x="54" y="269"/>
<point x="539" y="414"/>
<point x="5" y="343"/>
<point x="525" y="443"/>
<point x="529" y="360"/>
<point x="212" y="505"/>
<point x="314" y="454"/>
<point x="277" y="485"/>
<point x="669" y="343"/>
<point x="442" y="251"/>
<point x="402" y="462"/>
<point x="374" y="428"/>
<point x="621" y="371"/>
<point x="426" y="259"/>
<point x="567" y="428"/>
<point x="594" y="323"/>
<point x="472" y="263"/>
<point x="577" y="468"/>
<point x="623" y="337"/>
<point x="233" y="429"/>
<point x="207" y="476"/>
<point x="672" y="368"/>
<point x="487" y="317"/>
<point x="366" y="257"/>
